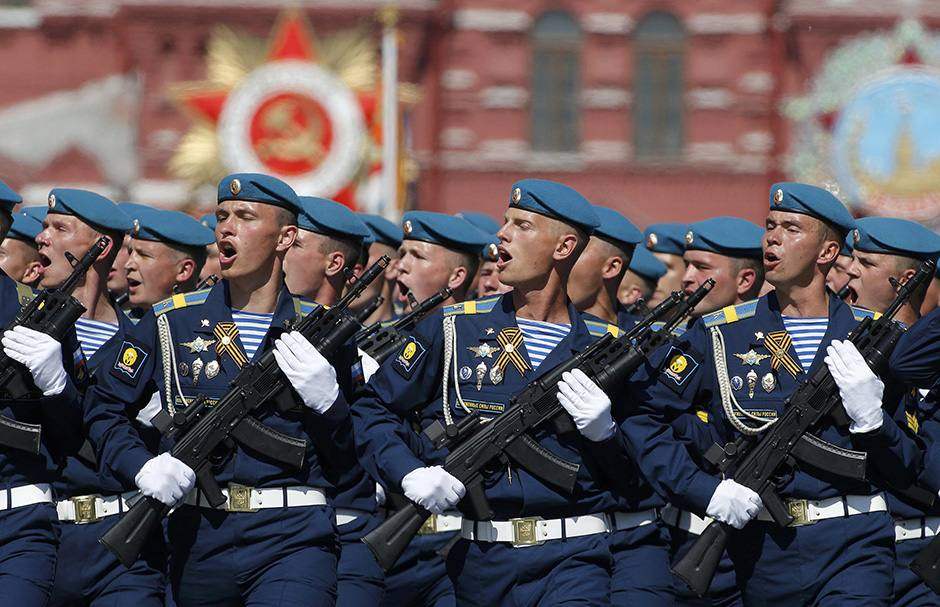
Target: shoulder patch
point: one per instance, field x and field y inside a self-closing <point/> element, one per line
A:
<point x="130" y="358"/>
<point x="730" y="314"/>
<point x="475" y="306"/>
<point x="598" y="328"/>
<point x="408" y="357"/>
<point x="678" y="366"/>
<point x="181" y="300"/>
<point x="863" y="313"/>
<point x="24" y="293"/>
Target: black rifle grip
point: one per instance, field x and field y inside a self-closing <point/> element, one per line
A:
<point x="389" y="540"/>
<point x="127" y="537"/>
<point x="697" y="567"/>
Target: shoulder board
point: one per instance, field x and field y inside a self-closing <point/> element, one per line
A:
<point x="24" y="293"/>
<point x="181" y="300"/>
<point x="477" y="306"/>
<point x="679" y="331"/>
<point x="302" y="306"/>
<point x="598" y="329"/>
<point x="863" y="313"/>
<point x="730" y="314"/>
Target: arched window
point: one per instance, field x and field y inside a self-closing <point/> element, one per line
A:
<point x="658" y="87"/>
<point x="556" y="75"/>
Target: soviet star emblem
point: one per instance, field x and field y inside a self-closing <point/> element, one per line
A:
<point x="751" y="357"/>
<point x="198" y="345"/>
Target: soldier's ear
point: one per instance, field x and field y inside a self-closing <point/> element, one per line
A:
<point x="286" y="238"/>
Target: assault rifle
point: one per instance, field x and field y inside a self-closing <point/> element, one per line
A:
<point x="53" y="311"/>
<point x="753" y="461"/>
<point x="369" y="308"/>
<point x="201" y="428"/>
<point x="380" y="342"/>
<point x="476" y="441"/>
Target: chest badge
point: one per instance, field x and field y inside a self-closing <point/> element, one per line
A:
<point x="777" y="343"/>
<point x="484" y="350"/>
<point x="737" y="383"/>
<point x="510" y="338"/>
<point x="212" y="369"/>
<point x="198" y="345"/>
<point x="197" y="370"/>
<point x="227" y="335"/>
<point x="768" y="382"/>
<point x="465" y="373"/>
<point x="751" y="382"/>
<point x="752" y="358"/>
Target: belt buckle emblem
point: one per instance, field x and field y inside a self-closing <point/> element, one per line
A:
<point x="525" y="531"/>
<point x="86" y="510"/>
<point x="799" y="510"/>
<point x="429" y="526"/>
<point x="239" y="498"/>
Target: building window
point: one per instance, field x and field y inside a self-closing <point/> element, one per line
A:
<point x="658" y="87"/>
<point x="556" y="75"/>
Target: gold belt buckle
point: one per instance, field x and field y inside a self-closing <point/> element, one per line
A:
<point x="799" y="510"/>
<point x="86" y="510"/>
<point x="239" y="498"/>
<point x="429" y="526"/>
<point x="525" y="531"/>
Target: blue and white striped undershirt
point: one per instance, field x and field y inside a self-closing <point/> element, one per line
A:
<point x="92" y="334"/>
<point x="252" y="327"/>
<point x="807" y="334"/>
<point x="541" y="338"/>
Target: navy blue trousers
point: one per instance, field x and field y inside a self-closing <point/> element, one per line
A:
<point x="574" y="571"/>
<point x="910" y="590"/>
<point x="419" y="578"/>
<point x="842" y="561"/>
<point x="27" y="555"/>
<point x="276" y="556"/>
<point x="641" y="567"/>
<point x="88" y="574"/>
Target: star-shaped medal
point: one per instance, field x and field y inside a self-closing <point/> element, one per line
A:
<point x="484" y="350"/>
<point x="198" y="345"/>
<point x="751" y="357"/>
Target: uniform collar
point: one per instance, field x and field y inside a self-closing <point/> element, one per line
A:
<point x="577" y="339"/>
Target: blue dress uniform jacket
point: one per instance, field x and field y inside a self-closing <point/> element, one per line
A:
<point x="772" y="563"/>
<point x="916" y="358"/>
<point x="27" y="534"/>
<point x="272" y="556"/>
<point x="410" y="381"/>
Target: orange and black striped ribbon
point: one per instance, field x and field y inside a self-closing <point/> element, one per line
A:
<point x="226" y="334"/>
<point x="510" y="338"/>
<point x="777" y="343"/>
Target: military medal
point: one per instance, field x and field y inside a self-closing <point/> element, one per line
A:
<point x="465" y="373"/>
<point x="777" y="343"/>
<point x="212" y="369"/>
<point x="751" y="383"/>
<point x="496" y="375"/>
<point x="510" y="338"/>
<point x="184" y="369"/>
<point x="737" y="383"/>
<point x="767" y="382"/>
<point x="484" y="350"/>
<point x="227" y="335"/>
<point x="198" y="345"/>
<point x="481" y="373"/>
<point x="752" y="358"/>
<point x="197" y="370"/>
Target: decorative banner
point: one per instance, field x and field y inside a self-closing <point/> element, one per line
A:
<point x="778" y="342"/>
<point x="227" y="335"/>
<point x="297" y="107"/>
<point x="510" y="338"/>
<point x="870" y="126"/>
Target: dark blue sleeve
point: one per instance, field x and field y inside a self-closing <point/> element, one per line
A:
<point x="892" y="452"/>
<point x="916" y="358"/>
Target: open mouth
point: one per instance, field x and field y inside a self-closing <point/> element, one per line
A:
<point x="132" y="284"/>
<point x="403" y="292"/>
<point x="227" y="253"/>
<point x="771" y="260"/>
<point x="503" y="259"/>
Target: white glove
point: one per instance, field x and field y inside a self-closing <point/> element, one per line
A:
<point x="860" y="389"/>
<point x="165" y="478"/>
<point x="433" y="488"/>
<point x="308" y="372"/>
<point x="41" y="354"/>
<point x="587" y="405"/>
<point x="733" y="504"/>
<point x="379" y="494"/>
<point x="369" y="365"/>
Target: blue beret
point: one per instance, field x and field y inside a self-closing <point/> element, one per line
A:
<point x="445" y="230"/>
<point x="255" y="187"/>
<point x="482" y="221"/>
<point x="554" y="200"/>
<point x="811" y="200"/>
<point x="383" y="230"/>
<point x="172" y="228"/>
<point x="8" y="198"/>
<point x="617" y="228"/>
<point x="895" y="237"/>
<point x="94" y="209"/>
<point x="646" y="265"/>
<point x="330" y="218"/>
<point x="209" y="221"/>
<point x="25" y="227"/>
<point x="728" y="236"/>
<point x="847" y="247"/>
<point x="666" y="238"/>
<point x="37" y="212"/>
